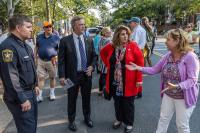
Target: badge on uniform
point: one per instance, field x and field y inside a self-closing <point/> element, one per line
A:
<point x="7" y="55"/>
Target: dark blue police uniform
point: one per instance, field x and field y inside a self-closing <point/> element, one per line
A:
<point x="18" y="74"/>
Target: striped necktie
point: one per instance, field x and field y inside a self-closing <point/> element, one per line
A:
<point x="82" y="54"/>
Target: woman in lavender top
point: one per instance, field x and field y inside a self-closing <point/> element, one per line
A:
<point x="179" y="70"/>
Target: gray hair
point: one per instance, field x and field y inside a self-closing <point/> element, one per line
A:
<point x="74" y="19"/>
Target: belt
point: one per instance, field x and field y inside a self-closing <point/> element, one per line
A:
<point x="45" y="60"/>
<point x="80" y="72"/>
<point x="29" y="88"/>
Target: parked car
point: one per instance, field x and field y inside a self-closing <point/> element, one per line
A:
<point x="92" y="31"/>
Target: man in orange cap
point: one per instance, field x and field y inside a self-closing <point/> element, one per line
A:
<point x="46" y="57"/>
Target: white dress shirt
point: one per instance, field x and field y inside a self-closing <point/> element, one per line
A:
<point x="76" y="42"/>
<point x="139" y="36"/>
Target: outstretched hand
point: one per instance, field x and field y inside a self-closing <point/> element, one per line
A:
<point x="133" y="67"/>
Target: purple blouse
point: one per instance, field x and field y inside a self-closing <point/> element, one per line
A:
<point x="189" y="71"/>
<point x="171" y="74"/>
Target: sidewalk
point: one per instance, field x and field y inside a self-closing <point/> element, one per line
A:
<point x="5" y="116"/>
<point x="160" y="39"/>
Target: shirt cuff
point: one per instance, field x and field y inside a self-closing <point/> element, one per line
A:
<point x="179" y="87"/>
<point x="22" y="97"/>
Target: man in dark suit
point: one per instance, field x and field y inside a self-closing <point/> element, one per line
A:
<point x="76" y="61"/>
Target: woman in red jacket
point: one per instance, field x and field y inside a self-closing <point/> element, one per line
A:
<point x="122" y="83"/>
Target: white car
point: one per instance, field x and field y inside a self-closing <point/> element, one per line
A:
<point x="92" y="31"/>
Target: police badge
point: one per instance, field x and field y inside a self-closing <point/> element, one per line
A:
<point x="7" y="55"/>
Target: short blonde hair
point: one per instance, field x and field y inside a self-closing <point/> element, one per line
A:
<point x="105" y="30"/>
<point x="116" y="40"/>
<point x="179" y="34"/>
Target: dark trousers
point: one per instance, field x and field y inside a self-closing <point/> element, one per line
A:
<point x="102" y="81"/>
<point x="140" y="90"/>
<point x="26" y="122"/>
<point x="124" y="109"/>
<point x="153" y="44"/>
<point x="85" y="84"/>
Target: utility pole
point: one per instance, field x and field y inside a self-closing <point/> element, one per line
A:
<point x="48" y="15"/>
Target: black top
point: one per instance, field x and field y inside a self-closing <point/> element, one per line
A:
<point x="17" y="69"/>
<point x="112" y="70"/>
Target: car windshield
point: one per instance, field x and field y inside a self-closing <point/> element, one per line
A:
<point x="92" y="30"/>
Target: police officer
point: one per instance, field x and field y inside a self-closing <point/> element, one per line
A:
<point x="18" y="74"/>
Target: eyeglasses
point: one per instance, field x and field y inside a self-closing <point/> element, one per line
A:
<point x="47" y="27"/>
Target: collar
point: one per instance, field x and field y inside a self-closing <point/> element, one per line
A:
<point x="137" y="26"/>
<point x="17" y="39"/>
<point x="76" y="36"/>
<point x="47" y="37"/>
<point x="170" y="59"/>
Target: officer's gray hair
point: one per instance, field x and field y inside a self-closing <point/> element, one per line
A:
<point x="17" y="20"/>
<point x="74" y="19"/>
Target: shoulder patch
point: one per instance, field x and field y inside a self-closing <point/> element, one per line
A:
<point x="7" y="55"/>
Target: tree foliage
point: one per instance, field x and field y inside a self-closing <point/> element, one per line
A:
<point x="38" y="9"/>
<point x="154" y="9"/>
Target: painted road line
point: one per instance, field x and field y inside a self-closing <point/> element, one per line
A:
<point x="158" y="54"/>
<point x="160" y="49"/>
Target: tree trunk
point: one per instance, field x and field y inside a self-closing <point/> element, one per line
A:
<point x="48" y="11"/>
<point x="54" y="9"/>
<point x="10" y="8"/>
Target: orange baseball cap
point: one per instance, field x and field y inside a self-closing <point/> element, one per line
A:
<point x="47" y="23"/>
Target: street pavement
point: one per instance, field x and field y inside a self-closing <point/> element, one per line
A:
<point x="53" y="115"/>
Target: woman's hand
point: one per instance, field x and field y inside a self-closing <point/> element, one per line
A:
<point x="133" y="67"/>
<point x="138" y="84"/>
<point x="170" y="86"/>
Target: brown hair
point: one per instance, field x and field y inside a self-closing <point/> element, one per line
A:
<point x="17" y="20"/>
<point x="74" y="19"/>
<point x="115" y="40"/>
<point x="179" y="34"/>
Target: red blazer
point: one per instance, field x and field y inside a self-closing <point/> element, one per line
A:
<point x="133" y="54"/>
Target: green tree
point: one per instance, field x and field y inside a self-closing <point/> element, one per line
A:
<point x="154" y="9"/>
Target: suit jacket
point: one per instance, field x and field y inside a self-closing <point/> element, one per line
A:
<point x="67" y="57"/>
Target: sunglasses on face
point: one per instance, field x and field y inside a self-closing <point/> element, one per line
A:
<point x="47" y="27"/>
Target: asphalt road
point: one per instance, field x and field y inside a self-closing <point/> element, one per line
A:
<point x="53" y="115"/>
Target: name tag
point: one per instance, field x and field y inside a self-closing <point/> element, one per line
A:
<point x="25" y="57"/>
